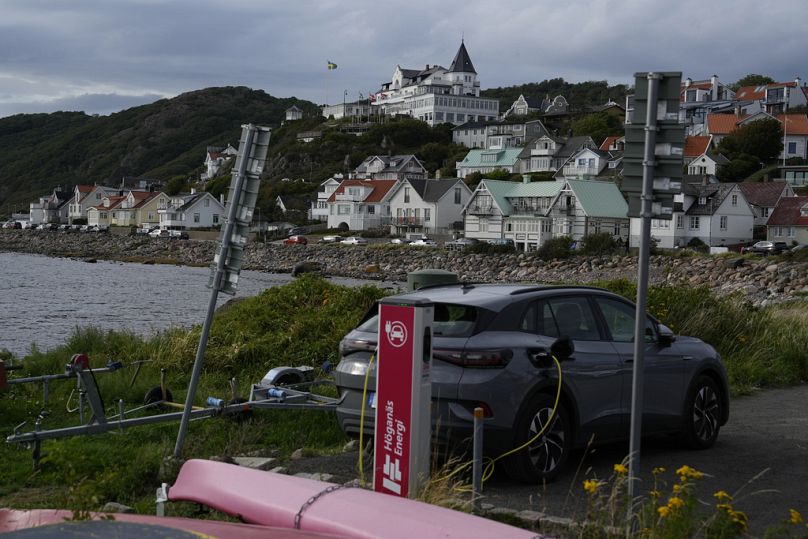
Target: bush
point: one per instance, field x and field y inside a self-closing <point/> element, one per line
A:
<point x="698" y="245"/>
<point x="598" y="244"/>
<point x="556" y="248"/>
<point x="484" y="247"/>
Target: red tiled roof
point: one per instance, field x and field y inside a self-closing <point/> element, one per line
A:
<point x="85" y="188"/>
<point x="723" y="124"/>
<point x="750" y="93"/>
<point x="787" y="212"/>
<point x="113" y="203"/>
<point x="696" y="145"/>
<point x="608" y="142"/>
<point x="763" y="194"/>
<point x="380" y="189"/>
<point x="796" y="124"/>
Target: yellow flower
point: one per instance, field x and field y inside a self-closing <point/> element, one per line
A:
<point x="724" y="506"/>
<point x="739" y="517"/>
<point x="677" y="489"/>
<point x="796" y="517"/>
<point x="722" y="495"/>
<point x="664" y="511"/>
<point x="658" y="470"/>
<point x="592" y="486"/>
<point x="686" y="472"/>
<point x="675" y="502"/>
<point x="655" y="494"/>
<point x="742" y="339"/>
<point x="621" y="469"/>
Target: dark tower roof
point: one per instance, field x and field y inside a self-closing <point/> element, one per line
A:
<point x="462" y="62"/>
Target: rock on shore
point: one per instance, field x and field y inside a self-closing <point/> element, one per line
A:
<point x="761" y="281"/>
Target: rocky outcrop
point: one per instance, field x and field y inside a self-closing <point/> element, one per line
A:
<point x="760" y="280"/>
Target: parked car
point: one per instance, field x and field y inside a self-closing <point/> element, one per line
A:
<point x="296" y="240"/>
<point x="424" y="242"/>
<point x="354" y="240"/>
<point x="178" y="234"/>
<point x="329" y="239"/>
<point x="400" y="241"/>
<point x="507" y="242"/>
<point x="491" y="349"/>
<point x="766" y="248"/>
<point x="460" y="244"/>
<point x="159" y="233"/>
<point x="12" y="225"/>
<point x="145" y="230"/>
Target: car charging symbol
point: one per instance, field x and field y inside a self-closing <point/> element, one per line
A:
<point x="396" y="333"/>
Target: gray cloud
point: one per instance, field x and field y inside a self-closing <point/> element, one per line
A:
<point x="97" y="55"/>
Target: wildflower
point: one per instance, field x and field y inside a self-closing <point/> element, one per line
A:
<point x="655" y="494"/>
<point x="620" y="469"/>
<point x="796" y="517"/>
<point x="722" y="495"/>
<point x="591" y="486"/>
<point x="675" y="502"/>
<point x="677" y="489"/>
<point x="664" y="511"/>
<point x="742" y="339"/>
<point x="686" y="472"/>
<point x="739" y="517"/>
<point x="724" y="507"/>
<point x="658" y="470"/>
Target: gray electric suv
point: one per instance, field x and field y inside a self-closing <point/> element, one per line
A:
<point x="491" y="349"/>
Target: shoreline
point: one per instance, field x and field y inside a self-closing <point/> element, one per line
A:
<point x="758" y="280"/>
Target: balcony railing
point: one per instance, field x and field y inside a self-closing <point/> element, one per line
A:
<point x="408" y="221"/>
<point x="529" y="210"/>
<point x="563" y="210"/>
<point x="343" y="197"/>
<point x="480" y="210"/>
<point x="580" y="171"/>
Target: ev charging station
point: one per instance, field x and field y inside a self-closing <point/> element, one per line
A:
<point x="403" y="396"/>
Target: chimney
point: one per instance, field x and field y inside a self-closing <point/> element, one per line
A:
<point x="221" y="199"/>
<point x="193" y="191"/>
<point x="714" y="88"/>
<point x="437" y="174"/>
<point x="797" y="81"/>
<point x="688" y="82"/>
<point x="525" y="178"/>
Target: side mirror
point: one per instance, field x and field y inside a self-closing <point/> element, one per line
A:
<point x="666" y="336"/>
<point x="562" y="348"/>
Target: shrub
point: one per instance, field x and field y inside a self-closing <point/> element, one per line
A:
<point x="556" y="248"/>
<point x="698" y="245"/>
<point x="598" y="244"/>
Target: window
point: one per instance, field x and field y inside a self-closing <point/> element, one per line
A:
<point x="723" y="222"/>
<point x="792" y="148"/>
<point x="765" y="211"/>
<point x="406" y="195"/>
<point x="619" y="319"/>
<point x="215" y="218"/>
<point x="371" y="210"/>
<point x="196" y="218"/>
<point x="734" y="200"/>
<point x="427" y="214"/>
<point x="573" y="317"/>
<point x="207" y="202"/>
<point x="343" y="209"/>
<point x="457" y="195"/>
<point x="791" y="231"/>
<point x="702" y="201"/>
<point x="694" y="222"/>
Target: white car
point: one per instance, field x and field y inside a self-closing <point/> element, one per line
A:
<point x="354" y="240"/>
<point x="159" y="233"/>
<point x="424" y="242"/>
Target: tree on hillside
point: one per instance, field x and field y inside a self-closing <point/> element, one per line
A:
<point x="752" y="79"/>
<point x="598" y="126"/>
<point x="739" y="168"/>
<point x="762" y="139"/>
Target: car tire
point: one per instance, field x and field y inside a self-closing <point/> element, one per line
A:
<point x="545" y="457"/>
<point x="702" y="415"/>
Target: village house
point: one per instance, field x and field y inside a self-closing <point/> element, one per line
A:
<point x="360" y="204"/>
<point x="389" y="167"/>
<point x="764" y="196"/>
<point x="427" y="206"/>
<point x="52" y="208"/>
<point x="789" y="221"/>
<point x="795" y="130"/>
<point x="548" y="153"/>
<point x="486" y="161"/>
<point x="194" y="210"/>
<point x="215" y="159"/>
<point x="585" y="207"/>
<point x="773" y="98"/>
<point x="532" y="105"/>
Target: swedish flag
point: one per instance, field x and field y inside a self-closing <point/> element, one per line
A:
<point x="331" y="65"/>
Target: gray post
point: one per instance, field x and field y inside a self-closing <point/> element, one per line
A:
<point x="225" y="247"/>
<point x="642" y="290"/>
<point x="477" y="461"/>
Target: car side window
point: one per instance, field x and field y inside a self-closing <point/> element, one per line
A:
<point x="619" y="318"/>
<point x="528" y="322"/>
<point x="574" y="318"/>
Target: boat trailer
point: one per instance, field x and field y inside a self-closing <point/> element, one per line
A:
<point x="285" y="388"/>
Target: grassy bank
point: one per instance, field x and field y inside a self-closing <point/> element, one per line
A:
<point x="300" y="323"/>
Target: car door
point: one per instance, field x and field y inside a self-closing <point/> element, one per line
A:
<point x="594" y="371"/>
<point x="663" y="379"/>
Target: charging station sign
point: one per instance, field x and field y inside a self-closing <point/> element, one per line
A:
<point x="403" y="394"/>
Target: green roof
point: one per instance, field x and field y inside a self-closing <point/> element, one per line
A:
<point x="505" y="158"/>
<point x="599" y="198"/>
<point x="502" y="190"/>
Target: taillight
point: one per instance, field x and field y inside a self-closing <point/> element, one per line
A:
<point x="474" y="358"/>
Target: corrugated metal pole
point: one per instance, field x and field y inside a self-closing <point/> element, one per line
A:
<point x="477" y="460"/>
<point x="642" y="290"/>
<point x="214" y="293"/>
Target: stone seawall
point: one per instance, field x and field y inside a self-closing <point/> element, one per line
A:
<point x="760" y="280"/>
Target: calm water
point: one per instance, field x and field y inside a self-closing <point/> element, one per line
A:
<point x="44" y="299"/>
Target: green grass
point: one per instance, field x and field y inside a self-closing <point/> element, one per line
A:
<point x="300" y="323"/>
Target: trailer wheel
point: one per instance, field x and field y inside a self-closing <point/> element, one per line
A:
<point x="155" y="394"/>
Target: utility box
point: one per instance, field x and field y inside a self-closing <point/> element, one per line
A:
<point x="403" y="396"/>
<point x="426" y="277"/>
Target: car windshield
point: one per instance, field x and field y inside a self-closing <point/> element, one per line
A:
<point x="451" y="320"/>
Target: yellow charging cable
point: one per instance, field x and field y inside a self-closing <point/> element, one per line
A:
<point x="362" y="419"/>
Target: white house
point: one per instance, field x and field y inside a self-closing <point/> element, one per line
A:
<point x="319" y="207"/>
<point x="789" y="221"/>
<point x="795" y="129"/>
<point x="360" y="204"/>
<point x="102" y="214"/>
<point x="293" y="113"/>
<point x="215" y="159"/>
<point x="390" y="167"/>
<point x="511" y="210"/>
<point x="196" y="210"/>
<point x="85" y="197"/>
<point x="470" y="134"/>
<point x="436" y="94"/>
<point x="548" y="153"/>
<point x="52" y="208"/>
<point x="585" y="207"/>
<point x="715" y="213"/>
<point x="485" y="161"/>
<point x="774" y="98"/>
<point x="584" y="164"/>
<point x="764" y="197"/>
<point x="427" y="206"/>
<point x="526" y="105"/>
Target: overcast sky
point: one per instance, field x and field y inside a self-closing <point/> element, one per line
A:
<point x="102" y="56"/>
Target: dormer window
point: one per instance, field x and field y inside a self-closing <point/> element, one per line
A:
<point x="702" y="201"/>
